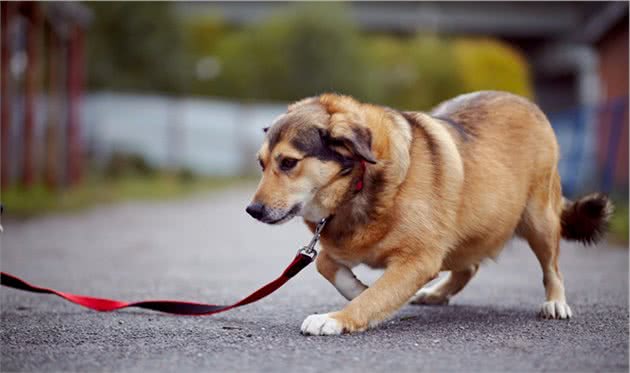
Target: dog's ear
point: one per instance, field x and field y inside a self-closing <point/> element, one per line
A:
<point x="302" y="102"/>
<point x="347" y="126"/>
<point x="345" y="129"/>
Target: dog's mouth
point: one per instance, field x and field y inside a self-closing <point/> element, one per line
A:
<point x="288" y="216"/>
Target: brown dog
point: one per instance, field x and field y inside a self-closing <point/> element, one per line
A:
<point x="418" y="193"/>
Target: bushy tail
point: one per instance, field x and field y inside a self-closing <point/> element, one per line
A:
<point x="586" y="219"/>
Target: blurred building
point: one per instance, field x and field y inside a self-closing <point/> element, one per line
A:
<point x="612" y="47"/>
<point x="42" y="72"/>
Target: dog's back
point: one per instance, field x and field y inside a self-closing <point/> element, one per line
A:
<point x="508" y="149"/>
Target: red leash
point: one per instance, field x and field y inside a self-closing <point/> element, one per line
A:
<point x="168" y="306"/>
<point x="304" y="257"/>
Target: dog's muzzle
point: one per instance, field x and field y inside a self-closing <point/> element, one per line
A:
<point x="268" y="215"/>
<point x="256" y="210"/>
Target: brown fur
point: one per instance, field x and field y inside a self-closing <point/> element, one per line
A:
<point x="446" y="191"/>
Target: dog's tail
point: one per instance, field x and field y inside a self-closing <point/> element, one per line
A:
<point x="586" y="219"/>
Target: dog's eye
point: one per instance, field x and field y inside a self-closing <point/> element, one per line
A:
<point x="288" y="163"/>
<point x="262" y="165"/>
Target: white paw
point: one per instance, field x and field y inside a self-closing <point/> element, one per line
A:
<point x="321" y="325"/>
<point x="426" y="296"/>
<point x="555" y="310"/>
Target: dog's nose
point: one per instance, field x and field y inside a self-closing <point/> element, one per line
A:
<point x="256" y="210"/>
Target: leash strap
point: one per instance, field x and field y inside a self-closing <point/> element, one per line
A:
<point x="301" y="260"/>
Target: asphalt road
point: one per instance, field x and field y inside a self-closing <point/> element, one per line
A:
<point x="207" y="249"/>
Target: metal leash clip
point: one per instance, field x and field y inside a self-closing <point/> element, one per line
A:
<point x="309" y="250"/>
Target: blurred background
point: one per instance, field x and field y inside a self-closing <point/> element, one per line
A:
<point x="105" y="101"/>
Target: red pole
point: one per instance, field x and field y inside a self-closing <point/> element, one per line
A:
<point x="75" y="83"/>
<point x="51" y="170"/>
<point x="32" y="32"/>
<point x="5" y="113"/>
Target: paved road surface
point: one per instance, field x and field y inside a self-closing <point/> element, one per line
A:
<point x="207" y="249"/>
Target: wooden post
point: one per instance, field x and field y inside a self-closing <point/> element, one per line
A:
<point x="32" y="54"/>
<point x="6" y="8"/>
<point x="75" y="83"/>
<point x="51" y="168"/>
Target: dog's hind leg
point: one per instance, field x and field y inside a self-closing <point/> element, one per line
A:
<point x="541" y="227"/>
<point x="441" y="293"/>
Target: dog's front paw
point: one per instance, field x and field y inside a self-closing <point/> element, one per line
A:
<point x="555" y="309"/>
<point x="425" y="296"/>
<point x="323" y="324"/>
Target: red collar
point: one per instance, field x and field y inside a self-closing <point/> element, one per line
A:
<point x="359" y="185"/>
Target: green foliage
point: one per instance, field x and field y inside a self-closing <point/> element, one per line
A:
<point x="203" y="33"/>
<point x="619" y="222"/>
<point x="306" y="49"/>
<point x="411" y="73"/>
<point x="21" y="202"/>
<point x="490" y="64"/>
<point x="186" y="175"/>
<point x="129" y="165"/>
<point x="135" y="46"/>
<point x="314" y="48"/>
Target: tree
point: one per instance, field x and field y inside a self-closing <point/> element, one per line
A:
<point x="491" y="64"/>
<point x="305" y="50"/>
<point x="136" y="46"/>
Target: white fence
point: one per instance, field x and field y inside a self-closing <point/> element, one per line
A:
<point x="207" y="136"/>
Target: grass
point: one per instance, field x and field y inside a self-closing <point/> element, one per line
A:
<point x="619" y="224"/>
<point x="20" y="202"/>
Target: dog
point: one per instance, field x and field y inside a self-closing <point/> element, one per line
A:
<point x="416" y="193"/>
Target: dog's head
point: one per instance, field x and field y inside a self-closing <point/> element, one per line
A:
<point x="309" y="158"/>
